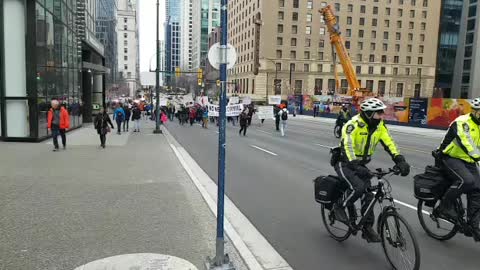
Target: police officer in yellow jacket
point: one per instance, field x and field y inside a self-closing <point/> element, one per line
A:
<point x="460" y="152"/>
<point x="360" y="137"/>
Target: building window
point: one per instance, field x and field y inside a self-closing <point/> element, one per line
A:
<point x="387" y="23"/>
<point x="308" y="30"/>
<point x="294" y="29"/>
<point x="306" y="55"/>
<point x="360" y="45"/>
<point x="280" y="28"/>
<point x="472" y="11"/>
<point x="375" y="10"/>
<point x="295" y="16"/>
<point x="399" y="24"/>
<point x="362" y="9"/>
<point x="419" y="72"/>
<point x="423" y="26"/>
<point x="278" y="66"/>
<point x="358" y="69"/>
<point x="467" y="64"/>
<point x="374" y="34"/>
<point x="125" y="27"/>
<point x="372" y="46"/>
<point x="420" y="60"/>
<point x="295" y="3"/>
<point x="382" y="70"/>
<point x="349" y="20"/>
<point x="411" y="25"/>
<point x="360" y="33"/>
<point x="125" y="67"/>
<point x="469" y="38"/>
<point x="125" y="58"/>
<point x="309" y="17"/>
<point x="399" y="92"/>
<point x="384" y="59"/>
<point x="395" y="71"/>
<point x="424" y="14"/>
<point x="420" y="49"/>
<point x="318" y="86"/>
<point x="125" y="20"/>
<point x="293" y="54"/>
<point x="385" y="35"/>
<point x="425" y="3"/>
<point x="398" y="36"/>
<point x="281" y="14"/>
<point x="370" y="70"/>
<point x="298" y="87"/>
<point x="381" y="88"/>
<point x="306" y="67"/>
<point x="125" y="50"/>
<point x="319" y="67"/>
<point x="369" y="84"/>
<point x="348" y="33"/>
<point x="400" y="12"/>
<point x="293" y="42"/>
<point x="321" y="44"/>
<point x="307" y="42"/>
<point x="331" y="85"/>
<point x="410" y="37"/>
<point x="409" y="59"/>
<point x="281" y="3"/>
<point x="279" y="54"/>
<point x="359" y="57"/>
<point x="385" y="47"/>
<point x="322" y="30"/>
<point x="362" y="21"/>
<point x="279" y="41"/>
<point x="310" y="4"/>
<point x="396" y="59"/>
<point x="125" y="35"/>
<point x="412" y="13"/>
<point x="387" y="11"/>
<point x="347" y="44"/>
<point x="371" y="58"/>
<point x="374" y="22"/>
<point x="400" y="2"/>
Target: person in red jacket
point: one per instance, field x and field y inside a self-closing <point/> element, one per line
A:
<point x="58" y="123"/>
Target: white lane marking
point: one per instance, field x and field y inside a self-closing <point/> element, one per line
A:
<point x="324" y="146"/>
<point x="264" y="150"/>
<point x="264" y="132"/>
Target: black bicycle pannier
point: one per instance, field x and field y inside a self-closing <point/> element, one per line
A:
<point x="431" y="185"/>
<point x="327" y="190"/>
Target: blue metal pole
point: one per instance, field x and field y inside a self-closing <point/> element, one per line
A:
<point x="222" y="136"/>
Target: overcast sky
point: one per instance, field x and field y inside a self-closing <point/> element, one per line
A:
<point x="147" y="25"/>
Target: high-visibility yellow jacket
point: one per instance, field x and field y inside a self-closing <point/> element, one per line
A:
<point x="462" y="140"/>
<point x="359" y="143"/>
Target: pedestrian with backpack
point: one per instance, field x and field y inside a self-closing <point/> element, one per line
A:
<point x="136" y="116"/>
<point x="128" y="113"/>
<point x="243" y="122"/>
<point x="283" y="115"/>
<point x="119" y="117"/>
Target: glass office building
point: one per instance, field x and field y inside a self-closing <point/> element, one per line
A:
<point x="39" y="61"/>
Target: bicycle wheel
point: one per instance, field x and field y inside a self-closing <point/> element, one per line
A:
<point x="337" y="131"/>
<point x="436" y="228"/>
<point x="399" y="242"/>
<point x="337" y="230"/>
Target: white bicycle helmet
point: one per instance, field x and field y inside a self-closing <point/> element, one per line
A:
<point x="375" y="104"/>
<point x="475" y="103"/>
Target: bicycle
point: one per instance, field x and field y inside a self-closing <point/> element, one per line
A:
<point x="389" y="224"/>
<point x="442" y="229"/>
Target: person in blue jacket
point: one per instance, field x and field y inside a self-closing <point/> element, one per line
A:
<point x="119" y="117"/>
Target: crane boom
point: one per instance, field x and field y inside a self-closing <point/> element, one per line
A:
<point x="337" y="43"/>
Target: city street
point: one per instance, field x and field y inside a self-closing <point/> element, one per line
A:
<point x="269" y="178"/>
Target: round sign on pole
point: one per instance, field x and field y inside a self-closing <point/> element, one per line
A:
<point x="215" y="59"/>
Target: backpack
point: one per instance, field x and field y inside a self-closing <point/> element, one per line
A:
<point x="284" y="115"/>
<point x="120" y="116"/>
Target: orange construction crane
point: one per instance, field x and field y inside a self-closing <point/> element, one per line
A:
<point x="337" y="44"/>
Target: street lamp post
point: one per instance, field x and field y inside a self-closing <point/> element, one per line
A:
<point x="276" y="76"/>
<point x="157" y="79"/>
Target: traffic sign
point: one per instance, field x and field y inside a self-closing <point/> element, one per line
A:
<point x="215" y="56"/>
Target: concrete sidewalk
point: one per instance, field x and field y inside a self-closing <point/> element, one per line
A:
<point x="434" y="133"/>
<point x="63" y="210"/>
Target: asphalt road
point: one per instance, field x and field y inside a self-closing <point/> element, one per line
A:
<point x="269" y="178"/>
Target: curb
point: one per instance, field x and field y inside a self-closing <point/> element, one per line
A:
<point x="256" y="252"/>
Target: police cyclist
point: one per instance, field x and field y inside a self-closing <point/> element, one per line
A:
<point x="459" y="154"/>
<point x="360" y="137"/>
<point x="343" y="116"/>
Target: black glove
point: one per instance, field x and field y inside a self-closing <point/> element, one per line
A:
<point x="402" y="164"/>
<point x="360" y="170"/>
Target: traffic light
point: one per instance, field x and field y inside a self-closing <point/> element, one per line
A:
<point x="177" y="72"/>
<point x="218" y="82"/>
<point x="200" y="74"/>
<point x="38" y="76"/>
